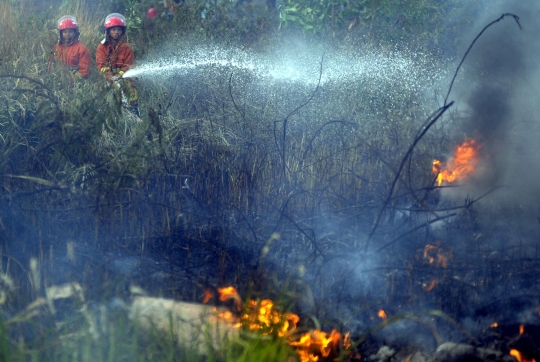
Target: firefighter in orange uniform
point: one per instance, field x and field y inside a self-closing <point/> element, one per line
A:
<point x="71" y="53"/>
<point x="114" y="57"/>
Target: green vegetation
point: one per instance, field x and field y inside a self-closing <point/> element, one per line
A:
<point x="416" y="17"/>
<point x="118" y="339"/>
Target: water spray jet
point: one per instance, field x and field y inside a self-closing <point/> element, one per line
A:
<point x="298" y="67"/>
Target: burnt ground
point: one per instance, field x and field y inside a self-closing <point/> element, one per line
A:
<point x="472" y="280"/>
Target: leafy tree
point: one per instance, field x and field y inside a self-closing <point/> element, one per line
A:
<point x="320" y="16"/>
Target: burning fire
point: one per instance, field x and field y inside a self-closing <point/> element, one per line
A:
<point x="462" y="165"/>
<point x="230" y="293"/>
<point x="261" y="316"/>
<point x="207" y="296"/>
<point x="428" y="287"/>
<point x="230" y="318"/>
<point x="437" y="255"/>
<point x="316" y="343"/>
<point x="520" y="357"/>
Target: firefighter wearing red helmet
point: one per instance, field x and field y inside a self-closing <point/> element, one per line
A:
<point x="114" y="57"/>
<point x="71" y="53"/>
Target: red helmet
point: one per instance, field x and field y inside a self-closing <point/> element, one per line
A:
<point x="115" y="19"/>
<point x="152" y="13"/>
<point x="67" y="22"/>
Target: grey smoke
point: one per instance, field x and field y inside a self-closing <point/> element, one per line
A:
<point x="498" y="90"/>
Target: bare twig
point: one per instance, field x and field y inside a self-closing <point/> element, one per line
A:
<point x="319" y="131"/>
<point x="286" y="119"/>
<point x="436" y="117"/>
<point x="413" y="230"/>
<point x="242" y="114"/>
<point x="516" y="18"/>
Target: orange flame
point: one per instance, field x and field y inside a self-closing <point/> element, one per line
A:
<point x="229" y="317"/>
<point x="427" y="250"/>
<point x="208" y="295"/>
<point x="382" y="314"/>
<point x="521" y="329"/>
<point x="442" y="260"/>
<point x="316" y="343"/>
<point x="261" y="316"/>
<point x="520" y="357"/>
<point x="462" y="165"/>
<point x="437" y="255"/>
<point x="230" y="293"/>
<point x="494" y="325"/>
<point x="428" y="287"/>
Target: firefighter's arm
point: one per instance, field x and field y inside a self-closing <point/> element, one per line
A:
<point x="84" y="62"/>
<point x="101" y="62"/>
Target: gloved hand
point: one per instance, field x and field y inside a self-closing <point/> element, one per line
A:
<point x="116" y="78"/>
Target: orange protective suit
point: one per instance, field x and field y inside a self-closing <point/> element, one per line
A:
<point x="74" y="56"/>
<point x="114" y="60"/>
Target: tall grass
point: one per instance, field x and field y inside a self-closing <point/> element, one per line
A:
<point x="195" y="171"/>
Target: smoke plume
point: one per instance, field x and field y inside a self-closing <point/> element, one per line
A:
<point x="498" y="94"/>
